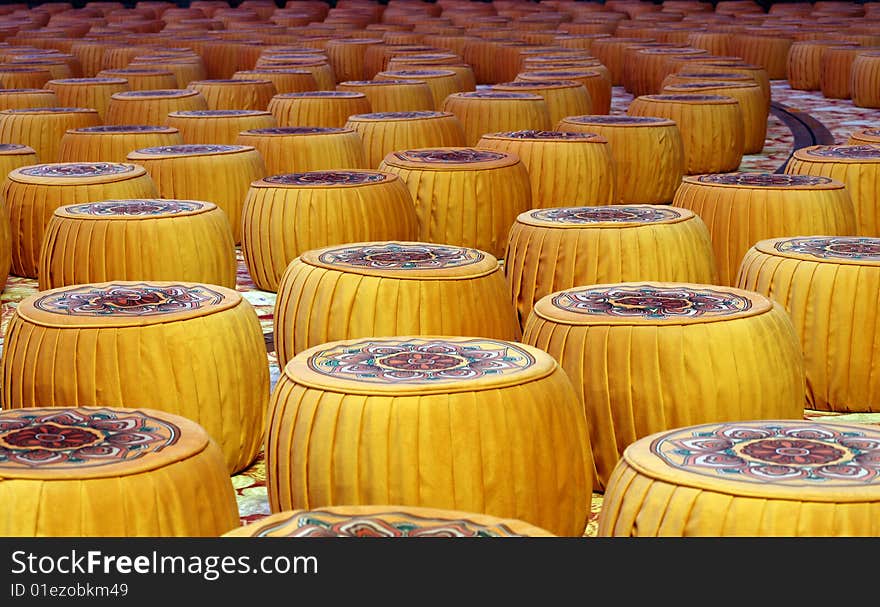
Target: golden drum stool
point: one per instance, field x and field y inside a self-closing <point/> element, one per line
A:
<point x="87" y="92"/>
<point x="386" y="132"/>
<point x="392" y="95"/>
<point x="218" y="126"/>
<point x="43" y="128"/>
<point x="482" y="112"/>
<point x="140" y="79"/>
<point x="318" y="108"/>
<point x="152" y="107"/>
<point x="298" y="149"/>
<point x="563" y="97"/>
<point x="113" y="143"/>
<point x="235" y="94"/>
<point x="23" y="98"/>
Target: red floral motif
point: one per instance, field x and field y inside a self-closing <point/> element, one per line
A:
<point x="400" y="256"/>
<point x="392" y="524"/>
<point x="50" y="436"/>
<point x="839" y="247"/>
<point x="651" y="302"/>
<point x="128" y="300"/>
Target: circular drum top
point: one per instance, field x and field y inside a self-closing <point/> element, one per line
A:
<point x="442" y="159"/>
<point x="383" y="521"/>
<point x="497" y="95"/>
<point x="610" y="216"/>
<point x="320" y="94"/>
<point x="839" y="153"/>
<point x="652" y="303"/>
<point x="404" y="260"/>
<point x="418" y="364"/>
<point x="380" y="82"/>
<point x="620" y="120"/>
<point x="156" y="94"/>
<point x="418" y="73"/>
<point x="333" y="179"/>
<point x="13" y="149"/>
<point x="186" y="149"/>
<point x="687" y="86"/>
<point x="573" y="73"/>
<point x="125" y="303"/>
<point x="399" y="115"/>
<point x="548" y="136"/>
<point x="51" y="110"/>
<point x="297" y="130"/>
<point x="217" y="113"/>
<point x="535" y="84"/>
<point x="786" y="459"/>
<point x="76" y="173"/>
<point x="66" y="443"/>
<point x="134" y="209"/>
<point x="853" y="250"/>
<point x="690" y="98"/>
<point x="89" y="81"/>
<point x="224" y="82"/>
<point x="779" y="181"/>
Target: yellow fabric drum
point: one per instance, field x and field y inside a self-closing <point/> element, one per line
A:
<point x="386" y="132"/>
<point x="565" y="169"/>
<point x="87" y="92"/>
<point x="464" y="196"/>
<point x="141" y="239"/>
<point x="24" y="77"/>
<point x="647" y="152"/>
<point x="347" y="56"/>
<point x="14" y="99"/>
<point x="758" y="73"/>
<point x="217" y="126"/>
<point x="812" y="276"/>
<point x="762" y="478"/>
<point x="385" y="521"/>
<point x="553" y="249"/>
<point x="190" y="349"/>
<point x="482" y="112"/>
<point x="441" y="82"/>
<point x="414" y="289"/>
<point x="32" y="193"/>
<point x="298" y="149"/>
<point x="835" y="70"/>
<point x="113" y="143"/>
<point x="651" y="356"/>
<point x="768" y="51"/>
<point x="868" y="136"/>
<point x="804" y="66"/>
<point x="318" y="108"/>
<point x="111" y="472"/>
<point x="140" y="79"/>
<point x="597" y="85"/>
<point x="563" y="97"/>
<point x="284" y="80"/>
<point x="858" y="166"/>
<point x="392" y="95"/>
<point x="710" y="126"/>
<point x="742" y="208"/>
<point x="286" y="215"/>
<point x="235" y="94"/>
<point x="179" y="172"/>
<point x="43" y="128"/>
<point x="152" y="107"/>
<point x="15" y="155"/>
<point x="413" y="421"/>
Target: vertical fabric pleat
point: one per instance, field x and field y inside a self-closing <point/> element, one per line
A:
<point x="482" y="113"/>
<point x="299" y="152"/>
<point x="43" y="130"/>
<point x="222" y="128"/>
<point x="382" y="135"/>
<point x="305" y="109"/>
<point x="109" y="146"/>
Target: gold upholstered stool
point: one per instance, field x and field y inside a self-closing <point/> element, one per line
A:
<point x="757" y="478"/>
<point x="711" y="128"/>
<point x="35" y="77"/>
<point x="742" y="208"/>
<point x="830" y="285"/>
<point x="385" y="521"/>
<point x="756" y="72"/>
<point x="43" y="128"/>
<point x="804" y="65"/>
<point x="482" y="112"/>
<point x="835" y="75"/>
<point x="318" y="108"/>
<point x="285" y="80"/>
<point x="864" y="79"/>
<point x="142" y="79"/>
<point x="857" y="166"/>
<point x="87" y="92"/>
<point x="218" y="126"/>
<point x="864" y="136"/>
<point x="598" y="86"/>
<point x="179" y="172"/>
<point x="20" y="99"/>
<point x="113" y="143"/>
<point x="553" y="249"/>
<point x="15" y="155"/>
<point x="286" y="215"/>
<point x="650" y="356"/>
<point x="464" y="196"/>
<point x="442" y="82"/>
<point x="647" y="152"/>
<point x="235" y="94"/>
<point x="565" y="169"/>
<point x="321" y="295"/>
<point x="421" y="414"/>
<point x="392" y="95"/>
<point x="190" y="349"/>
<point x="298" y="149"/>
<point x="32" y="193"/>
<point x="141" y="239"/>
<point x="563" y="97"/>
<point x="386" y="132"/>
<point x="111" y="472"/>
<point x="152" y="107"/>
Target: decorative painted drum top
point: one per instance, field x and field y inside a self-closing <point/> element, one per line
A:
<point x="447" y="158"/>
<point x="49" y="110"/>
<point x="381" y="82"/>
<point x="15" y="148"/>
<point x="708" y="85"/>
<point x="126" y="128"/>
<point x="766" y="180"/>
<point x="842" y="153"/>
<point x="404" y="260"/>
<point x="92" y="442"/>
<point x="855" y="250"/>
<point x="691" y="98"/>
<point x="156" y="93"/>
<point x="77" y="169"/>
<point x="650" y="303"/>
<point x="420" y="364"/>
<point x="228" y="81"/>
<point x="349" y="94"/>
<point x="188" y="149"/>
<point x="871" y="132"/>
<point x="611" y="216"/>
<point x="420" y="73"/>
<point x="810" y="460"/>
<point x="297" y="130"/>
<point x="90" y="81"/>
<point x="216" y="113"/>
<point x="324" y="178"/>
<point x="621" y="120"/>
<point x="550" y="135"/>
<point x="535" y="84"/>
<point x="138" y="208"/>
<point x="399" y="115"/>
<point x="497" y="95"/>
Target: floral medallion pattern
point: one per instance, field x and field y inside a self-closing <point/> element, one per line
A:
<point x="123" y="128"/>
<point x="190" y="148"/>
<point x="128" y="300"/>
<point x="855" y="152"/>
<point x="134" y="208"/>
<point x="296" y="130"/>
<point x="77" y="169"/>
<point x="764" y="180"/>
<point x="605" y="214"/>
<point x="326" y="178"/>
<point x="317" y="523"/>
<point x="552" y="135"/>
<point x="833" y="247"/>
<point x="615" y="119"/>
<point x="651" y="302"/>
<point x="401" y="256"/>
<point x="456" y="156"/>
<point x="397" y="115"/>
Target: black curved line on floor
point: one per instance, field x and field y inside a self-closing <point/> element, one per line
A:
<point x="807" y="130"/>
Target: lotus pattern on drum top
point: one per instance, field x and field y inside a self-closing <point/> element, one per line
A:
<point x="327" y="178"/>
<point x="128" y="300"/>
<point x="772" y="180"/>
<point x="217" y="113"/>
<point x="123" y="128"/>
<point x="835" y="247"/>
<point x="651" y="302"/>
<point x="397" y="115"/>
<point x="11" y="147"/>
<point x="401" y="256"/>
<point x="856" y="152"/>
<point x="615" y="119"/>
<point x="134" y="207"/>
<point x="459" y="156"/>
<point x="605" y="214"/>
<point x="296" y="130"/>
<point x="190" y="148"/>
<point x="77" y="169"/>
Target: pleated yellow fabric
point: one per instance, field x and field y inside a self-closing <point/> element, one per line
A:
<point x="762" y="478"/>
<point x="139" y="239"/>
<point x="32" y="193"/>
<point x="565" y="169"/>
<point x="804" y="65"/>
<point x="754" y="71"/>
<point x="651" y="356"/>
<point x="553" y="249"/>
<point x="111" y="472"/>
<point x="113" y="143"/>
<point x="320" y="69"/>
<point x="286" y="215"/>
<point x="284" y="80"/>
<point x="563" y="97"/>
<point x="482" y="112"/>
<point x="24" y="77"/>
<point x="647" y="153"/>
<point x="233" y="94"/>
<point x="439" y="422"/>
<point x="598" y="86"/>
<point x="43" y="128"/>
<point x="386" y="132"/>
<point x="742" y="208"/>
<point x="710" y="126"/>
<point x="190" y="349"/>
<point x="866" y="136"/>
<point x="87" y="92"/>
<point x="385" y="521"/>
<point x="835" y="70"/>
<point x="347" y="56"/>
<point x="388" y="288"/>
<point x="218" y="126"/>
<point x="650" y="66"/>
<point x="179" y="172"/>
<point x="858" y="166"/>
<point x="464" y="196"/>
<point x="318" y="108"/>
<point x="465" y="73"/>
<point x="153" y="106"/>
<point x="297" y="149"/>
<point x="15" y="155"/>
<point x="829" y="285"/>
<point x="185" y="71"/>
<point x="609" y="51"/>
<point x="442" y="82"/>
<point x="141" y="79"/>
<point x="768" y="51"/>
<point x="392" y="95"/>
